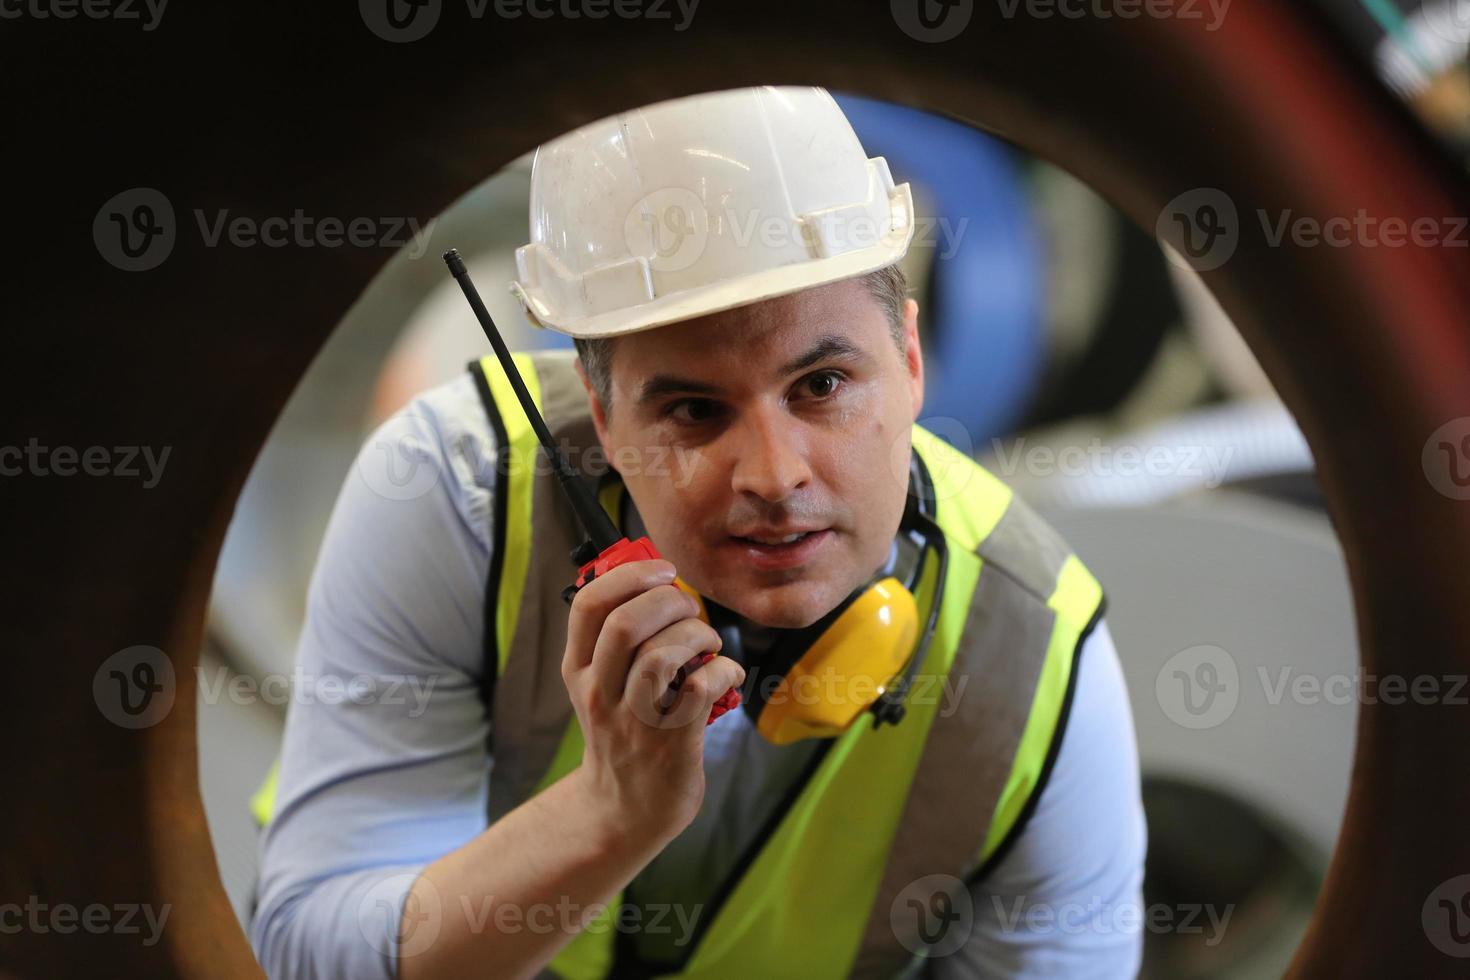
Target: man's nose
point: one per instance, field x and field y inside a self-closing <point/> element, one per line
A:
<point x="771" y="458"/>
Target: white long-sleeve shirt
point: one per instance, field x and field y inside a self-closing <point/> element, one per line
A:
<point x="377" y="783"/>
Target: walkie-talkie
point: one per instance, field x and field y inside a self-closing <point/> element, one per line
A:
<point x="604" y="548"/>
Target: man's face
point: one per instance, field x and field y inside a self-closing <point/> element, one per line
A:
<point x="791" y="413"/>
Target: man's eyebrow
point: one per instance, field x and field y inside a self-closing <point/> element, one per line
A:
<point x="832" y="346"/>
<point x="666" y="384"/>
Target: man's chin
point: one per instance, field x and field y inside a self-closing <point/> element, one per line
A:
<point x="793" y="606"/>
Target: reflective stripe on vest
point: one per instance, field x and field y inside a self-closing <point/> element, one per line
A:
<point x="822" y="895"/>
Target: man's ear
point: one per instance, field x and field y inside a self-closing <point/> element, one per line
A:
<point x="599" y="417"/>
<point x="914" y="355"/>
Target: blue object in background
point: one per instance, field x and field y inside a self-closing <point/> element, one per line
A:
<point x="548" y="340"/>
<point x="984" y="348"/>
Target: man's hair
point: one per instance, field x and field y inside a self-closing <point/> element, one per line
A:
<point x="888" y="286"/>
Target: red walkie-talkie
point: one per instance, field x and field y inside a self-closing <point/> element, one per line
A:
<point x="604" y="548"/>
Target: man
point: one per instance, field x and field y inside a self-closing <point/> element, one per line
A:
<point x="756" y="395"/>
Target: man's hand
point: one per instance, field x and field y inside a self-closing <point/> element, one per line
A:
<point x="643" y="673"/>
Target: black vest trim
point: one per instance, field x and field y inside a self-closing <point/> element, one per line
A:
<point x="501" y="503"/>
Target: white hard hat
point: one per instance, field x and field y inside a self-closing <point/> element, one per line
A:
<point x="700" y="204"/>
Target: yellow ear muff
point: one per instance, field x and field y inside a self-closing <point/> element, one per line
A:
<point x="688" y="589"/>
<point x="846" y="669"/>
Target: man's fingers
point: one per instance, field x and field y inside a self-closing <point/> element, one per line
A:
<point x="707" y="685"/>
<point x="595" y="601"/>
<point x="666" y="658"/>
<point x="691" y="701"/>
<point x="660" y="617"/>
<point x="662" y="661"/>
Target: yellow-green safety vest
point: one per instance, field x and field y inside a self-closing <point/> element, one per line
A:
<point x="831" y="891"/>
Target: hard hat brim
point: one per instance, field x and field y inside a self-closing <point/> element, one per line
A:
<point x="690" y="304"/>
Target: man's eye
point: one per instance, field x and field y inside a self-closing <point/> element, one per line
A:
<point x="823" y="383"/>
<point x="700" y="410"/>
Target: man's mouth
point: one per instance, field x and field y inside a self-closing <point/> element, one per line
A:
<point x="766" y="549"/>
<point x="787" y="539"/>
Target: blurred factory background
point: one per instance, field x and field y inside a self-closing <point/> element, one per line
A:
<point x="1076" y="361"/>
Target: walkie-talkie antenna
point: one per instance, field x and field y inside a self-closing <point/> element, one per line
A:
<point x="594" y="519"/>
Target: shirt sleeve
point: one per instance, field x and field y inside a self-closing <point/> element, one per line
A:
<point x="383" y="765"/>
<point x="1067" y="900"/>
